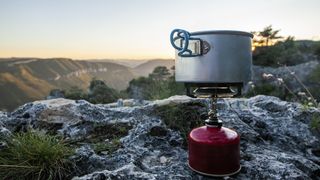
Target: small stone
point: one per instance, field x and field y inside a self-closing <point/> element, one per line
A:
<point x="104" y="152"/>
<point x="120" y="103"/>
<point x="163" y="160"/>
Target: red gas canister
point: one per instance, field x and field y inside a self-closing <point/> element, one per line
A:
<point x="214" y="151"/>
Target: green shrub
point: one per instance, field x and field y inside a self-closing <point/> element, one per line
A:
<point x="314" y="76"/>
<point x="100" y="93"/>
<point x="315" y="122"/>
<point x="105" y="137"/>
<point x="108" y="147"/>
<point x="314" y="82"/>
<point x="75" y="93"/>
<point x="140" y="88"/>
<point x="101" y="132"/>
<point x="35" y="155"/>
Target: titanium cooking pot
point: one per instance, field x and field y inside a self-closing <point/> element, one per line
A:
<point x="212" y="56"/>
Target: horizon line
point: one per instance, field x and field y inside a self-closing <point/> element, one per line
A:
<point x="92" y="59"/>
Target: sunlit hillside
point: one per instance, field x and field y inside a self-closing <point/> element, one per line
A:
<point x="27" y="79"/>
<point x="24" y="80"/>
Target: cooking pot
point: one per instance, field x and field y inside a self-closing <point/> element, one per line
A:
<point x="213" y="57"/>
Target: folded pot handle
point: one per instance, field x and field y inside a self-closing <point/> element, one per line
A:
<point x="184" y="37"/>
<point x="198" y="48"/>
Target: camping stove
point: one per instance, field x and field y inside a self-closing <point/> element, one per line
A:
<point x="213" y="64"/>
<point x="214" y="150"/>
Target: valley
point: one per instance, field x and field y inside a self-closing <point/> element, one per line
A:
<point x="28" y="79"/>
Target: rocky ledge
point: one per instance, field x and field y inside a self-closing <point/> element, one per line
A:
<point x="141" y="140"/>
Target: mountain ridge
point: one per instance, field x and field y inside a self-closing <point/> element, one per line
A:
<point x="146" y="68"/>
<point x="25" y="80"/>
<point x="28" y="79"/>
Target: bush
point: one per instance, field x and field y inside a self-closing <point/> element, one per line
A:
<point x="75" y="93"/>
<point x="140" y="88"/>
<point x="283" y="52"/>
<point x="314" y="76"/>
<point x="35" y="155"/>
<point x="107" y="147"/>
<point x="315" y="122"/>
<point x="314" y="82"/>
<point x="100" y="93"/>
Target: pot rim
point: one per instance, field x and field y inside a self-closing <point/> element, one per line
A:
<point x="228" y="32"/>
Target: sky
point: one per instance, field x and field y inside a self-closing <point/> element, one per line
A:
<point x="138" y="29"/>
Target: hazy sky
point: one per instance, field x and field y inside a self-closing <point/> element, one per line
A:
<point x="137" y="29"/>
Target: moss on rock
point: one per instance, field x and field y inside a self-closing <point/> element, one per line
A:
<point x="182" y="117"/>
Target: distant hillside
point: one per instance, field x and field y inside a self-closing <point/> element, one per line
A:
<point x="125" y="62"/>
<point x="146" y="68"/>
<point x="28" y="79"/>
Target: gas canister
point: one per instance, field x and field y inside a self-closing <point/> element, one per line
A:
<point x="214" y="151"/>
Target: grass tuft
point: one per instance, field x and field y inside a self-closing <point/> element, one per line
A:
<point x="35" y="155"/>
<point x="107" y="147"/>
<point x="315" y="122"/>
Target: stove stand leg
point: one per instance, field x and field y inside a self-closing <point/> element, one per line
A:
<point x="213" y="118"/>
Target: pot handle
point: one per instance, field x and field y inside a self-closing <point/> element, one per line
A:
<point x="185" y="39"/>
<point x="184" y="36"/>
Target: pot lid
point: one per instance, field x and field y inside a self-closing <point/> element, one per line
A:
<point x="229" y="32"/>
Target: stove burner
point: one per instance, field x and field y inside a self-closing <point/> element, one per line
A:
<point x="206" y="90"/>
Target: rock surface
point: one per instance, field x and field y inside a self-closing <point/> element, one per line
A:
<point x="276" y="139"/>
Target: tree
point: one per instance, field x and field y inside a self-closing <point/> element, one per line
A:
<point x="140" y="88"/>
<point x="160" y="73"/>
<point x="94" y="83"/>
<point x="100" y="93"/>
<point x="281" y="53"/>
<point x="75" y="93"/>
<point x="266" y="37"/>
<point x="270" y="49"/>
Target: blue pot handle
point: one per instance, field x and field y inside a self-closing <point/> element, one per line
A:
<point x="184" y="36"/>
